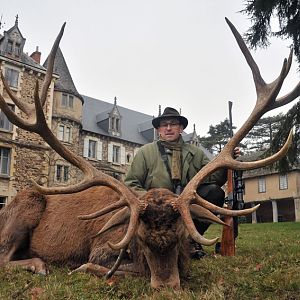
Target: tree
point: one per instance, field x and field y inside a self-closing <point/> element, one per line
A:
<point x="261" y="135"/>
<point x="288" y="14"/>
<point x="218" y="136"/>
<point x="261" y="12"/>
<point x="292" y="119"/>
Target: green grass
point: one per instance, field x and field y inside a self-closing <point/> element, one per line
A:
<point x="266" y="266"/>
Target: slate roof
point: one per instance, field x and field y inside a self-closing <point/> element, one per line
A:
<point x="130" y="122"/>
<point x="26" y="60"/>
<point x="135" y="126"/>
<point x="65" y="82"/>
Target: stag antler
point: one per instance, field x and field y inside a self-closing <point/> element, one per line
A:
<point x="266" y="101"/>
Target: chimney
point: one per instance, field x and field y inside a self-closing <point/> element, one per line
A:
<point x="36" y="55"/>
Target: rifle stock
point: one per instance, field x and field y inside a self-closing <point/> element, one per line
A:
<point x="228" y="235"/>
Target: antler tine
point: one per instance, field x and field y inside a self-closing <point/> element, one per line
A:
<point x="134" y="217"/>
<point x="252" y="64"/>
<point x="241" y="165"/>
<point x="50" y="65"/>
<point x="287" y="98"/>
<point x="196" y="236"/>
<point x="223" y="211"/>
<point x="266" y="93"/>
<point x="119" y="204"/>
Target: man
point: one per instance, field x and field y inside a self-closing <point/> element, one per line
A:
<point x="170" y="163"/>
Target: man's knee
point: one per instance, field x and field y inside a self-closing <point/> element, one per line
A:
<point x="212" y="193"/>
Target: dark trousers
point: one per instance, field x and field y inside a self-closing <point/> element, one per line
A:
<point x="212" y="193"/>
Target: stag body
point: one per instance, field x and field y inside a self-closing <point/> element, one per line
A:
<point x="37" y="226"/>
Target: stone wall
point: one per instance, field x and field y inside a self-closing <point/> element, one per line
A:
<point x="28" y="150"/>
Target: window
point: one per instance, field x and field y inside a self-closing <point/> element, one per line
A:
<point x="116" y="154"/>
<point x="283" y="182"/>
<point x="62" y="173"/>
<point x="112" y="123"/>
<point x="128" y="158"/>
<point x="66" y="173"/>
<point x="92" y="149"/>
<point x="67" y="100"/>
<point x="2" y="201"/>
<point x="261" y="184"/>
<point x="115" y="124"/>
<point x="68" y="134"/>
<point x="17" y="49"/>
<point x="118" y="125"/>
<point x="4" y="123"/>
<point x="59" y="171"/>
<point x="4" y="161"/>
<point x="9" y="47"/>
<point x="12" y="77"/>
<point x="64" y="133"/>
<point x="61" y="132"/>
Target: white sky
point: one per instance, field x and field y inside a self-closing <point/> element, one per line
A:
<point x="178" y="53"/>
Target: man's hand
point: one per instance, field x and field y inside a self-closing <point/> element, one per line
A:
<point x="236" y="152"/>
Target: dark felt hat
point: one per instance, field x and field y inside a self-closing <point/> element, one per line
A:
<point x="168" y="113"/>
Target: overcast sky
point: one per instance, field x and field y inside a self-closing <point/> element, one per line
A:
<point x="177" y="53"/>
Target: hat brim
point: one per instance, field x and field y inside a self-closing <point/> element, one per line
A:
<point x="183" y="121"/>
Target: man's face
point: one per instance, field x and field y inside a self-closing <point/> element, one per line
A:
<point x="169" y="129"/>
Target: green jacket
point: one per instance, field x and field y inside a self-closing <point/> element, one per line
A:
<point x="149" y="171"/>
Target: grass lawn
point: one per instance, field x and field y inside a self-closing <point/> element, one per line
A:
<point x="266" y="266"/>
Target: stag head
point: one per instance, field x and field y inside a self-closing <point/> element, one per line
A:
<point x="160" y="221"/>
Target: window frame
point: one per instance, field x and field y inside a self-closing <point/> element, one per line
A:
<point x="116" y="154"/>
<point x="7" y="125"/>
<point x="62" y="173"/>
<point x="17" y="49"/>
<point x="283" y="182"/>
<point x="262" y="187"/>
<point x="9" y="47"/>
<point x="92" y="149"/>
<point x="67" y="100"/>
<point x="64" y="133"/>
<point x="12" y="82"/>
<point x="8" y="157"/>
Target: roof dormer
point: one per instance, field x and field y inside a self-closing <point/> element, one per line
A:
<point x="13" y="42"/>
<point x="115" y="120"/>
<point x="110" y="120"/>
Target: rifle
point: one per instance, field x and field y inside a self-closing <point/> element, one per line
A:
<point x="234" y="200"/>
